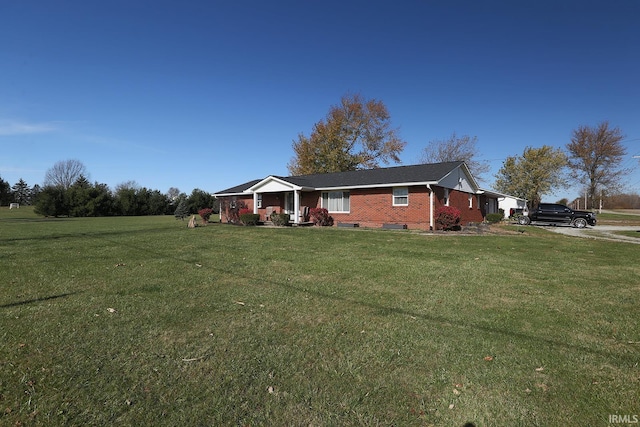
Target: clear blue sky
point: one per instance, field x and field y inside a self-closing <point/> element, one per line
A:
<point x="207" y="94"/>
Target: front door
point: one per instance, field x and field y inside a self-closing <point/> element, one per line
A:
<point x="289" y="205"/>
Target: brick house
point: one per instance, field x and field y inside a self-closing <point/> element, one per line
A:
<point x="395" y="196"/>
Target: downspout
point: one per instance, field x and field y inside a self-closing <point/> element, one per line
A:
<point x="430" y="207"/>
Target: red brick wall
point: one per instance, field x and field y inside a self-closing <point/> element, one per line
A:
<point x="460" y="200"/>
<point x="374" y="207"/>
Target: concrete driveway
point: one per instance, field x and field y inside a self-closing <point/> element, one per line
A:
<point x="605" y="232"/>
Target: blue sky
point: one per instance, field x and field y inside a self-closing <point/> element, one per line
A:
<point x="206" y="94"/>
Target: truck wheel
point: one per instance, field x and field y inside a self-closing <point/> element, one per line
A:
<point x="524" y="220"/>
<point x="580" y="223"/>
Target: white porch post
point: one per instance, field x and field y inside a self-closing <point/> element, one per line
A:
<point x="296" y="206"/>
<point x="430" y="207"/>
<point x="255" y="202"/>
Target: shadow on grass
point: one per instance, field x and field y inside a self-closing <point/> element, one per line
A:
<point x="29" y="301"/>
<point x="97" y="234"/>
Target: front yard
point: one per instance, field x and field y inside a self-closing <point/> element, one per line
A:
<point x="143" y="321"/>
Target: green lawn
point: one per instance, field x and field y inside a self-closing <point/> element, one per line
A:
<point x="142" y="321"/>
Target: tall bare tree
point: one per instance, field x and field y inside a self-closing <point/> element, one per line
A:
<point x="456" y="149"/>
<point x="356" y="134"/>
<point x="537" y="172"/>
<point x="595" y="156"/>
<point x="64" y="173"/>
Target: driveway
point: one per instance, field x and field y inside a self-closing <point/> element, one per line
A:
<point x="605" y="232"/>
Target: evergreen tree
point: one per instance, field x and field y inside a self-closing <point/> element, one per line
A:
<point x="51" y="202"/>
<point x="199" y="199"/>
<point x="21" y="193"/>
<point x="5" y="192"/>
<point x="182" y="210"/>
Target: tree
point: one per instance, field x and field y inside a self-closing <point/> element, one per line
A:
<point x="356" y="134"/>
<point x="456" y="149"/>
<point x="173" y="194"/>
<point x="182" y="210"/>
<point x="51" y="202"/>
<point x="21" y="192"/>
<point x="127" y="202"/>
<point x="5" y="192"/>
<point x="64" y="173"/>
<point x="199" y="199"/>
<point x="595" y="155"/>
<point x="537" y="172"/>
<point x="78" y="197"/>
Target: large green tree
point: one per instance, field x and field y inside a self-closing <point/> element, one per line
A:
<point x="454" y="149"/>
<point x="51" y="201"/>
<point x="355" y="134"/>
<point x="595" y="157"/>
<point x="537" y="172"/>
<point x="200" y="199"/>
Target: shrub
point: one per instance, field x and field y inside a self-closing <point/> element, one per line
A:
<point x="249" y="218"/>
<point x="448" y="218"/>
<point x="279" y="219"/>
<point x="205" y="214"/>
<point x="321" y="217"/>
<point x="494" y="218"/>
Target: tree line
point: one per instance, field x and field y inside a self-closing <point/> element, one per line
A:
<point x="357" y="134"/>
<point x="68" y="192"/>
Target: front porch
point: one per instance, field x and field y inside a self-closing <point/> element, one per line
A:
<point x="275" y="195"/>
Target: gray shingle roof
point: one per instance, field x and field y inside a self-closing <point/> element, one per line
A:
<point x="432" y="172"/>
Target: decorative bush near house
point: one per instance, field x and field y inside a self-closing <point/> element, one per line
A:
<point x="249" y="218"/>
<point x="205" y="214"/>
<point x="448" y="218"/>
<point x="279" y="219"/>
<point x="494" y="218"/>
<point x="321" y="217"/>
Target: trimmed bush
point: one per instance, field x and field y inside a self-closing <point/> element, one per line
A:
<point x="279" y="219"/>
<point x="448" y="218"/>
<point x="321" y="217"/>
<point x="494" y="218"/>
<point x="205" y="214"/>
<point x="249" y="218"/>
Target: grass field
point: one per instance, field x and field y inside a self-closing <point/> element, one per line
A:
<point x="142" y="321"/>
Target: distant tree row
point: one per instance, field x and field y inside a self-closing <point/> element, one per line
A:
<point x="67" y="192"/>
<point x="19" y="193"/>
<point x="357" y="134"/>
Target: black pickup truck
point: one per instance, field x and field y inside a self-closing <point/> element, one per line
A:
<point x="554" y="213"/>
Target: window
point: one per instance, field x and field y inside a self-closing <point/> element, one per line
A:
<point x="259" y="200"/>
<point x="470" y="201"/>
<point x="336" y="201"/>
<point x="401" y="196"/>
<point x="446" y="197"/>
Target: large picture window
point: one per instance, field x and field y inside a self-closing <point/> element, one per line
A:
<point x="400" y="196"/>
<point x="336" y="201"/>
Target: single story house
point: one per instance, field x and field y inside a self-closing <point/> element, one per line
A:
<point x="401" y="195"/>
